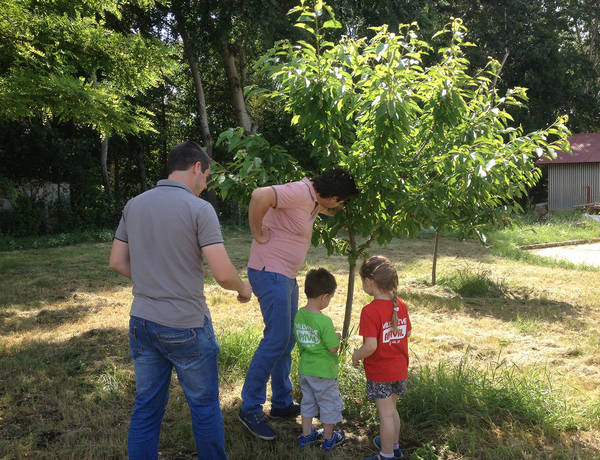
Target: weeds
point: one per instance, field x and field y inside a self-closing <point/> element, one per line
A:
<point x="473" y="283"/>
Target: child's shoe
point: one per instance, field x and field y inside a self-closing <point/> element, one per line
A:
<point x="377" y="443"/>
<point x="379" y="457"/>
<point x="337" y="439"/>
<point x="314" y="437"/>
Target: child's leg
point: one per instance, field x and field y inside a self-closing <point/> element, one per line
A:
<point x="389" y="419"/>
<point x="396" y="420"/>
<point x="328" y="430"/>
<point x="307" y="425"/>
<point x="308" y="405"/>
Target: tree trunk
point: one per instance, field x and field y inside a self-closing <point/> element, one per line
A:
<point x="104" y="166"/>
<point x="117" y="182"/>
<point x="235" y="87"/>
<point x="349" y="299"/>
<point x="594" y="39"/>
<point x="350" y="293"/>
<point x="141" y="161"/>
<point x="435" y="256"/>
<point x="164" y="136"/>
<point x="195" y="69"/>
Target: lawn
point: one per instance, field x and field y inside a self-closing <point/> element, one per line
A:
<point x="505" y="358"/>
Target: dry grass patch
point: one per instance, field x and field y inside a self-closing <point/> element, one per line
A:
<point x="63" y="344"/>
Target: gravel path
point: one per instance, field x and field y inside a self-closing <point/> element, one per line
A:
<point x="580" y="253"/>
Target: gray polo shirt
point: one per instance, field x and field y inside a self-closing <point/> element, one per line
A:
<point x="166" y="229"/>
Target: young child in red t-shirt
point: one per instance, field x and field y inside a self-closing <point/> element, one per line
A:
<point x="385" y="328"/>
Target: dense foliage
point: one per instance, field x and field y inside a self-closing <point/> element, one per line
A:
<point x="95" y="93"/>
<point x="429" y="143"/>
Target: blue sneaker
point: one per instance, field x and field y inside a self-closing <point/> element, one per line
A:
<point x="337" y="439"/>
<point x="257" y="425"/>
<point x="291" y="411"/>
<point x="377" y="443"/>
<point x="314" y="437"/>
<point x="379" y="457"/>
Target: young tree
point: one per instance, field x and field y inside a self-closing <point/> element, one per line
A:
<point x="426" y="144"/>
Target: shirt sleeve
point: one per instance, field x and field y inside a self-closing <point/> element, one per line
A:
<point x="209" y="230"/>
<point x="289" y="195"/>
<point x="121" y="233"/>
<point x="368" y="325"/>
<point x="329" y="336"/>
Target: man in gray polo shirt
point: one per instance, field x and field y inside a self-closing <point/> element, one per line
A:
<point x="162" y="239"/>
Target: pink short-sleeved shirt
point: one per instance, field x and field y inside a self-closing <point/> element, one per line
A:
<point x="290" y="224"/>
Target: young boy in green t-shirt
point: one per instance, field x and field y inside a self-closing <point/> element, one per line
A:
<point x="318" y="343"/>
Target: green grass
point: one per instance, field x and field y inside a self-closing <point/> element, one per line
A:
<point x="70" y="385"/>
<point x="450" y="403"/>
<point x="9" y="243"/>
<point x="527" y="230"/>
<point x="473" y="283"/>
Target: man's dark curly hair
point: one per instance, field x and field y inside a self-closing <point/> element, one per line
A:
<point x="335" y="182"/>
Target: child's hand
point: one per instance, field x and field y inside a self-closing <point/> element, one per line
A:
<point x="355" y="360"/>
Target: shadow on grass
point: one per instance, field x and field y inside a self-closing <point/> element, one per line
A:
<point x="66" y="399"/>
<point x="506" y="307"/>
<point x="74" y="399"/>
<point x="45" y="318"/>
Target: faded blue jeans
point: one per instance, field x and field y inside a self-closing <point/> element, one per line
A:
<point x="155" y="350"/>
<point x="278" y="297"/>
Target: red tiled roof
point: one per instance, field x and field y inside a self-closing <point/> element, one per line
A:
<point x="585" y="147"/>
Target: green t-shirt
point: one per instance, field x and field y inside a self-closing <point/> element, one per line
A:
<point x="315" y="335"/>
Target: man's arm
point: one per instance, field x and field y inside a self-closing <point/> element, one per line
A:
<point x="224" y="272"/>
<point x="262" y="199"/>
<point x="119" y="258"/>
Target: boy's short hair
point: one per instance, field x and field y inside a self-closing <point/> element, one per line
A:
<point x="185" y="155"/>
<point x="318" y="282"/>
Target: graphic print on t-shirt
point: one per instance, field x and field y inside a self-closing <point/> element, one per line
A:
<point x="306" y="335"/>
<point x="389" y="336"/>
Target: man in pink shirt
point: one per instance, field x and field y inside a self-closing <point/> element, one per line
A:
<point x="281" y="220"/>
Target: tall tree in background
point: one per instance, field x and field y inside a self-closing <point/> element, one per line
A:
<point x="61" y="62"/>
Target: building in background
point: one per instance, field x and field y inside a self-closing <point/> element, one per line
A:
<point x="574" y="180"/>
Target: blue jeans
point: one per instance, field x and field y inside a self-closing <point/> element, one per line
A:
<point x="278" y="297"/>
<point x="155" y="350"/>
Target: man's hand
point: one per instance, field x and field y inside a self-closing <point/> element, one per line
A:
<point x="264" y="236"/>
<point x="261" y="201"/>
<point x="245" y="294"/>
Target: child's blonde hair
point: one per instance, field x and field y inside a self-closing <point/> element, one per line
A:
<point x="382" y="272"/>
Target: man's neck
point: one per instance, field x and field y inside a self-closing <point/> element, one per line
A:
<point x="183" y="177"/>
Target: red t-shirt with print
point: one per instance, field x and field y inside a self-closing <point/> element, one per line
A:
<point x="389" y="363"/>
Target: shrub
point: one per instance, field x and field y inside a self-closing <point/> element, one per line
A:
<point x="473" y="283"/>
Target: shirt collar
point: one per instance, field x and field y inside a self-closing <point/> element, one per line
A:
<point x="311" y="188"/>
<point x="174" y="183"/>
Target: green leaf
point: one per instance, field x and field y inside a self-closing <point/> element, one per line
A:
<point x="332" y="24"/>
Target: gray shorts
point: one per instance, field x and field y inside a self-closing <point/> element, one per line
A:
<point x="322" y="396"/>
